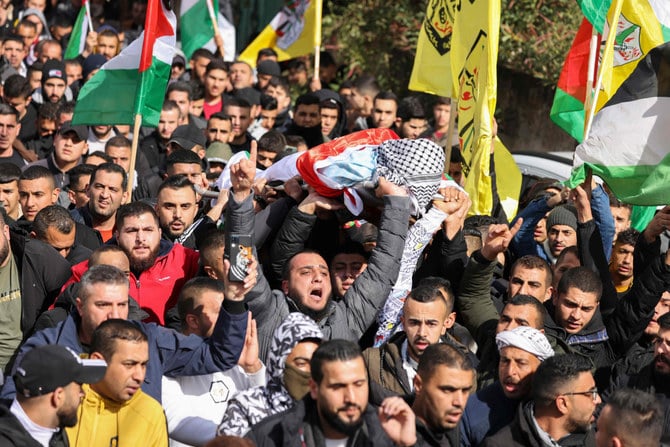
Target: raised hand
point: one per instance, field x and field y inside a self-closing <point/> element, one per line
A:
<point x="235" y="291"/>
<point x="249" y="360"/>
<point x="242" y="174"/>
<point x="398" y="421"/>
<point x="498" y="239"/>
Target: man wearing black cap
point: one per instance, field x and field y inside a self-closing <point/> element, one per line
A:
<point x="49" y="390"/>
<point x="69" y="147"/>
<point x="187" y="137"/>
<point x="54" y="84"/>
<point x="265" y="70"/>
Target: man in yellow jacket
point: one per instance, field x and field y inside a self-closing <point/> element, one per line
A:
<point x="115" y="411"/>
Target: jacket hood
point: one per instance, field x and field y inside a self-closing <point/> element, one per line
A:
<point x="295" y="328"/>
<point x="329" y="95"/>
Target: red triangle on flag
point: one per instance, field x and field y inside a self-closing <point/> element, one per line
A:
<point x="156" y="25"/>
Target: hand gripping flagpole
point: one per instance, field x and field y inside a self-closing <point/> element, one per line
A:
<point x="215" y="24"/>
<point x="133" y="154"/>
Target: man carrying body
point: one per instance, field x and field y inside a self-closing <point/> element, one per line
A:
<point x="307" y="120"/>
<point x="306" y="285"/>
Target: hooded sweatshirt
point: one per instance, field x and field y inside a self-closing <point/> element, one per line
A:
<point x="255" y="404"/>
<point x="340" y="128"/>
<point x="137" y="421"/>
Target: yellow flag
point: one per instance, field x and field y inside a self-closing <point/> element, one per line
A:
<point x="638" y="31"/>
<point x="294" y="31"/>
<point x="474" y="57"/>
<point x="431" y="72"/>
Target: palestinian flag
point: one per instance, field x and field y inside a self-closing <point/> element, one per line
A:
<point x="567" y="111"/>
<point x="595" y="11"/>
<point x="628" y="144"/>
<point x="197" y="30"/>
<point x="79" y="31"/>
<point x="639" y="26"/>
<point x="133" y="82"/>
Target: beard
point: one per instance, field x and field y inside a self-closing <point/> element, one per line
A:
<point x="347" y="428"/>
<point x="67" y="417"/>
<point x="141" y="264"/>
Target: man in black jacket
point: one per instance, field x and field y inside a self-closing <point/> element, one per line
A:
<point x="445" y="378"/>
<point x="48" y="382"/>
<point x="654" y="374"/>
<point x="337" y="409"/>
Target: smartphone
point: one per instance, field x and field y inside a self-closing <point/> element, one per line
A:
<point x="240" y="254"/>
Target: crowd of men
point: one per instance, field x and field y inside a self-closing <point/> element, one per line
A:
<point x="120" y="323"/>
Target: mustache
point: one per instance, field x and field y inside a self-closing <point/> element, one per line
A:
<point x="349" y="406"/>
<point x="662" y="358"/>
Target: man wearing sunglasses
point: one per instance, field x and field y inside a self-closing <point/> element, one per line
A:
<point x="561" y="411"/>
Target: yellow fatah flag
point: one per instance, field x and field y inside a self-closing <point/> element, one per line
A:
<point x="431" y="72"/>
<point x="294" y="31"/>
<point x="638" y="30"/>
<point x="474" y="56"/>
<point x="456" y="56"/>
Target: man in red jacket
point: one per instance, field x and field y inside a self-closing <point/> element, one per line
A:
<point x="158" y="267"/>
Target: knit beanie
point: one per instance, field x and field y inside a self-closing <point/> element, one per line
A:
<point x="563" y="215"/>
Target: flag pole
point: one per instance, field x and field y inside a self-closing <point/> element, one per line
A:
<point x="593" y="51"/>
<point x="608" y="45"/>
<point x="133" y="154"/>
<point x="450" y="132"/>
<point x="317" y="38"/>
<point x="87" y="8"/>
<point x="215" y="24"/>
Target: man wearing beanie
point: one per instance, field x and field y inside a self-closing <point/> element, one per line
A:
<point x="522" y="350"/>
<point x="54" y="87"/>
<point x="561" y="231"/>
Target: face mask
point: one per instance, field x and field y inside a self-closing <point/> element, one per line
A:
<point x="296" y="382"/>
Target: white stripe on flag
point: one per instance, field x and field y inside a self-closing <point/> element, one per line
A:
<point x="628" y="134"/>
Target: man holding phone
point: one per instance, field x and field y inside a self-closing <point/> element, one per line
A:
<point x="306" y="285"/>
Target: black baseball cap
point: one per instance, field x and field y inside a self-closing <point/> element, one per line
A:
<point x="80" y="130"/>
<point x="188" y="136"/>
<point x="45" y="368"/>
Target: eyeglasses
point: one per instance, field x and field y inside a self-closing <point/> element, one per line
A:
<point x="593" y="392"/>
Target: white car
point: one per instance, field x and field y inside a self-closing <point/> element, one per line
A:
<point x="556" y="165"/>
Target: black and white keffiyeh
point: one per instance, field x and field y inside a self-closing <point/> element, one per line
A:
<point x="416" y="164"/>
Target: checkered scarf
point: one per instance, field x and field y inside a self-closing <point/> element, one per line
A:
<point x="417" y="164"/>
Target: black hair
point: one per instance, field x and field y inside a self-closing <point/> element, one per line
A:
<point x="111" y="168"/>
<point x="332" y="351"/>
<point x="554" y="376"/>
